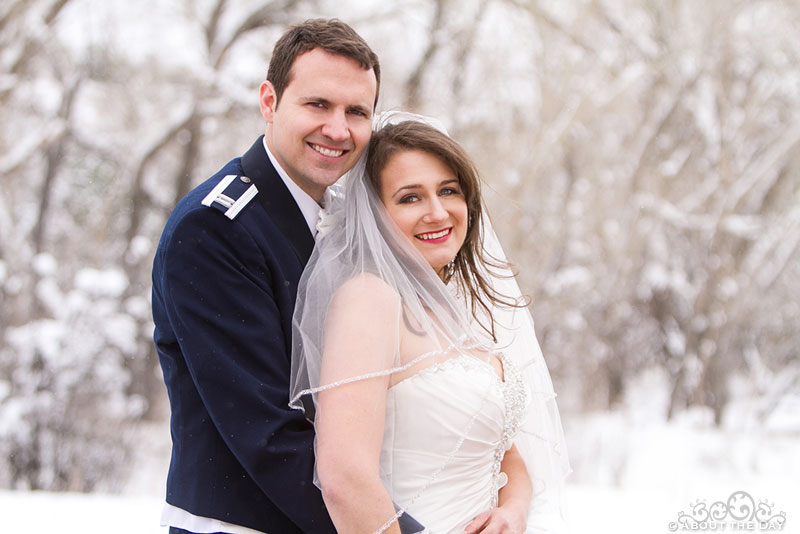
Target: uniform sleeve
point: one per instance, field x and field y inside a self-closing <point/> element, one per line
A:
<point x="220" y="301"/>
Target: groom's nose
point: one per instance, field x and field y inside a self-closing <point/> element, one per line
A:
<point x="336" y="127"/>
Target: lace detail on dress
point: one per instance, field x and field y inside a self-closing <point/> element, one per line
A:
<point x="515" y="397"/>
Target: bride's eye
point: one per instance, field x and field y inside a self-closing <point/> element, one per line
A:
<point x="449" y="191"/>
<point x="407" y="199"/>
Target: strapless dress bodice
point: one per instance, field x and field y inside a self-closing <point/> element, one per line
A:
<point x="446" y="431"/>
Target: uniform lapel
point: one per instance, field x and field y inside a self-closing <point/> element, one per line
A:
<point x="277" y="200"/>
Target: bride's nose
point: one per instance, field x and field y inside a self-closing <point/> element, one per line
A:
<point x="436" y="212"/>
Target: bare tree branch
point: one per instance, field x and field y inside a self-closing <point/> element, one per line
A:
<point x="414" y="84"/>
<point x="464" y="49"/>
<point x="138" y="195"/>
<point x="33" y="43"/>
<point x="533" y="8"/>
<point x="54" y="10"/>
<point x="13" y="12"/>
<point x="265" y="16"/>
<point x="53" y="162"/>
<point x="212" y="28"/>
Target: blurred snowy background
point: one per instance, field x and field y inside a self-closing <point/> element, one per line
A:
<point x="642" y="160"/>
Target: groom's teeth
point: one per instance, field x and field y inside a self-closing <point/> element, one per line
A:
<point x="434" y="235"/>
<point x="327" y="151"/>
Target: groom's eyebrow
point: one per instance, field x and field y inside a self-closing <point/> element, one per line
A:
<point x="324" y="101"/>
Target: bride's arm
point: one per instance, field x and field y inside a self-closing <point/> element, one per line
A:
<point x="514" y="500"/>
<point x="516" y="495"/>
<point x="360" y="337"/>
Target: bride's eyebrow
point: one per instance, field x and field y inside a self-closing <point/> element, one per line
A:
<point x="410" y="186"/>
<point x="417" y="186"/>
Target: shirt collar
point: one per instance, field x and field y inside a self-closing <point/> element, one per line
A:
<point x="308" y="206"/>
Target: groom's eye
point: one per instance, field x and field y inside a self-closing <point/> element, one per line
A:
<point x="360" y="112"/>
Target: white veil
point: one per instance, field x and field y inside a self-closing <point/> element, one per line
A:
<point x="359" y="246"/>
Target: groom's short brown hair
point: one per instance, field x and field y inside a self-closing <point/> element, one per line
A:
<point x="332" y="36"/>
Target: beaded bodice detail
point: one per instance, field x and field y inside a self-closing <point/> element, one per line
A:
<point x="515" y="397"/>
<point x="447" y="429"/>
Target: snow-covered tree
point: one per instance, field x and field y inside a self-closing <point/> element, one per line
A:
<point x="640" y="160"/>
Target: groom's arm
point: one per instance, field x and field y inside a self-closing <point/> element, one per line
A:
<point x="227" y="316"/>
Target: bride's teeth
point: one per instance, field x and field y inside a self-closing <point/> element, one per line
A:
<point x="435" y="235"/>
<point x="327" y="152"/>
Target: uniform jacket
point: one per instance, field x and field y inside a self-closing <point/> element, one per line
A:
<point x="225" y="280"/>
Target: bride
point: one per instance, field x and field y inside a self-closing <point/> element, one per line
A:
<point x="415" y="355"/>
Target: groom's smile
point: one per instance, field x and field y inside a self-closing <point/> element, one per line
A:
<point x="328" y="152"/>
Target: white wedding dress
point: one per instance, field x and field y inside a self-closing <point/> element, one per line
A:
<point x="448" y="426"/>
<point x="446" y="431"/>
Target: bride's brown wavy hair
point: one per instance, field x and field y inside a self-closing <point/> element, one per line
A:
<point x="472" y="258"/>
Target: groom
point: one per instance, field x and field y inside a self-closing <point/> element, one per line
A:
<point x="224" y="285"/>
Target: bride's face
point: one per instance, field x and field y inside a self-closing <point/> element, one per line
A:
<point x="424" y="198"/>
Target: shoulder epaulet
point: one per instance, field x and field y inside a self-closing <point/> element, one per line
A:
<point x="231" y="195"/>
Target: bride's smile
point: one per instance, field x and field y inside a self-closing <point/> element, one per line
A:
<point x="436" y="237"/>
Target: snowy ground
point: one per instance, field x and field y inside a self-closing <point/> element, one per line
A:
<point x="40" y="513"/>
<point x="597" y="510"/>
<point x="631" y="476"/>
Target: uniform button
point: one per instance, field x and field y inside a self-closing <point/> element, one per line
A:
<point x="245" y="179"/>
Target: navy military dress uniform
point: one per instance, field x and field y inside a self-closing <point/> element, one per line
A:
<point x="225" y="280"/>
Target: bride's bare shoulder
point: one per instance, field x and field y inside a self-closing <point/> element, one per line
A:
<point x="367" y="289"/>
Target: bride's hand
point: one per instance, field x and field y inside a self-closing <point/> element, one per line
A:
<point x="502" y="520"/>
<point x="514" y="497"/>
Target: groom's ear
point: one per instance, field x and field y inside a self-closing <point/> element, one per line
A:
<point x="268" y="100"/>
